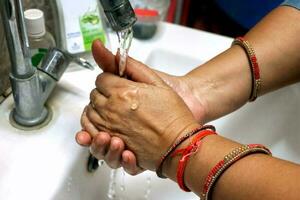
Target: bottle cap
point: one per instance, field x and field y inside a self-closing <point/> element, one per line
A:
<point x="35" y="22"/>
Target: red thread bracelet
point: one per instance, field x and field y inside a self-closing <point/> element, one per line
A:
<point x="186" y="153"/>
<point x="176" y="144"/>
<point x="255" y="72"/>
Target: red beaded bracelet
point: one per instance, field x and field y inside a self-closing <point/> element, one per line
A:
<point x="228" y="160"/>
<point x="186" y="153"/>
<point x="255" y="72"/>
<point x="176" y="144"/>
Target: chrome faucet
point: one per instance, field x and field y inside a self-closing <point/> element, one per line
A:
<point x="119" y="14"/>
<point x="31" y="86"/>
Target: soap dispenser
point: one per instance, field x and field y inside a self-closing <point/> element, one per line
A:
<point x="40" y="40"/>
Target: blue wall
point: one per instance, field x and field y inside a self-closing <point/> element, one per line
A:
<point x="247" y="12"/>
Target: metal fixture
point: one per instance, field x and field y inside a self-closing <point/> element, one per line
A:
<point x="31" y="86"/>
<point x="119" y="14"/>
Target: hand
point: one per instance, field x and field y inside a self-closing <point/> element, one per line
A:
<point x="110" y="149"/>
<point x="108" y="62"/>
<point x="148" y="116"/>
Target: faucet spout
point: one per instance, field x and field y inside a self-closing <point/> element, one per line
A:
<point x="119" y="14"/>
<point x="17" y="40"/>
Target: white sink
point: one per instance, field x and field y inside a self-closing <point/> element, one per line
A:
<point x="48" y="164"/>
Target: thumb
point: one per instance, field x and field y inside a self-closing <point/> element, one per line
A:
<point x="139" y="72"/>
<point x="135" y="70"/>
<point x="104" y="58"/>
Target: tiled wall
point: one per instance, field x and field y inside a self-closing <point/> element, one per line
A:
<point x="4" y="58"/>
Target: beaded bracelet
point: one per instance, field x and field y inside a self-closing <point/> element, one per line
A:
<point x="255" y="72"/>
<point x="176" y="144"/>
<point x="228" y="160"/>
<point x="186" y="153"/>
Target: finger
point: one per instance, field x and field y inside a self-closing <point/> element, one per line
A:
<point x="83" y="138"/>
<point x="97" y="99"/>
<point x="104" y="58"/>
<point x="96" y="119"/>
<point x="107" y="82"/>
<point x="87" y="125"/>
<point x="113" y="156"/>
<point x="129" y="163"/>
<point x="100" y="145"/>
<point x="139" y="72"/>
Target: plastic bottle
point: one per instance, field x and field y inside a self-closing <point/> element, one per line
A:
<point x="39" y="39"/>
<point x="78" y="23"/>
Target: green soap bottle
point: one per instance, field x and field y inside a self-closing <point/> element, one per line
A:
<point x="39" y="39"/>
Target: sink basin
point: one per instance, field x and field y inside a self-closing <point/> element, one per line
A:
<point x="47" y="163"/>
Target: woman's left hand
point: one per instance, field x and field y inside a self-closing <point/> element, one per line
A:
<point x="144" y="112"/>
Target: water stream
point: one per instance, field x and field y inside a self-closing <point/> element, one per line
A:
<point x="125" y="39"/>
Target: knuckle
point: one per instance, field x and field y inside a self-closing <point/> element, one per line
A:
<point x="92" y="95"/>
<point x="89" y="113"/>
<point x="100" y="78"/>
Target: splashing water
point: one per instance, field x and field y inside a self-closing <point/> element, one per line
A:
<point x="125" y="39"/>
<point x="111" y="194"/>
<point x="148" y="188"/>
<point x="122" y="185"/>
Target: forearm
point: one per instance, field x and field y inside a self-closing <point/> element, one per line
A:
<point x="256" y="176"/>
<point x="225" y="81"/>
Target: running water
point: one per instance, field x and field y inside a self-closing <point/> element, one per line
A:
<point x="122" y="186"/>
<point x="116" y="188"/>
<point x="112" y="194"/>
<point x="148" y="188"/>
<point x="125" y="38"/>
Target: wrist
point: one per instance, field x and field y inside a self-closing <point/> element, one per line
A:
<point x="213" y="148"/>
<point x="187" y="133"/>
<point x="223" y="84"/>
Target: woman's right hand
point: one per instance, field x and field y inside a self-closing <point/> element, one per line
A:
<point x="112" y="149"/>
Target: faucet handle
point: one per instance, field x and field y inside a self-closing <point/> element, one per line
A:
<point x="79" y="60"/>
<point x="56" y="62"/>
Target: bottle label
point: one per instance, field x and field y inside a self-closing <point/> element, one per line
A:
<point x="91" y="28"/>
<point x="82" y="24"/>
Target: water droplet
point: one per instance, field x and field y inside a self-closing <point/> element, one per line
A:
<point x="101" y="163"/>
<point x="148" y="188"/>
<point x="111" y="194"/>
<point x="134" y="106"/>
